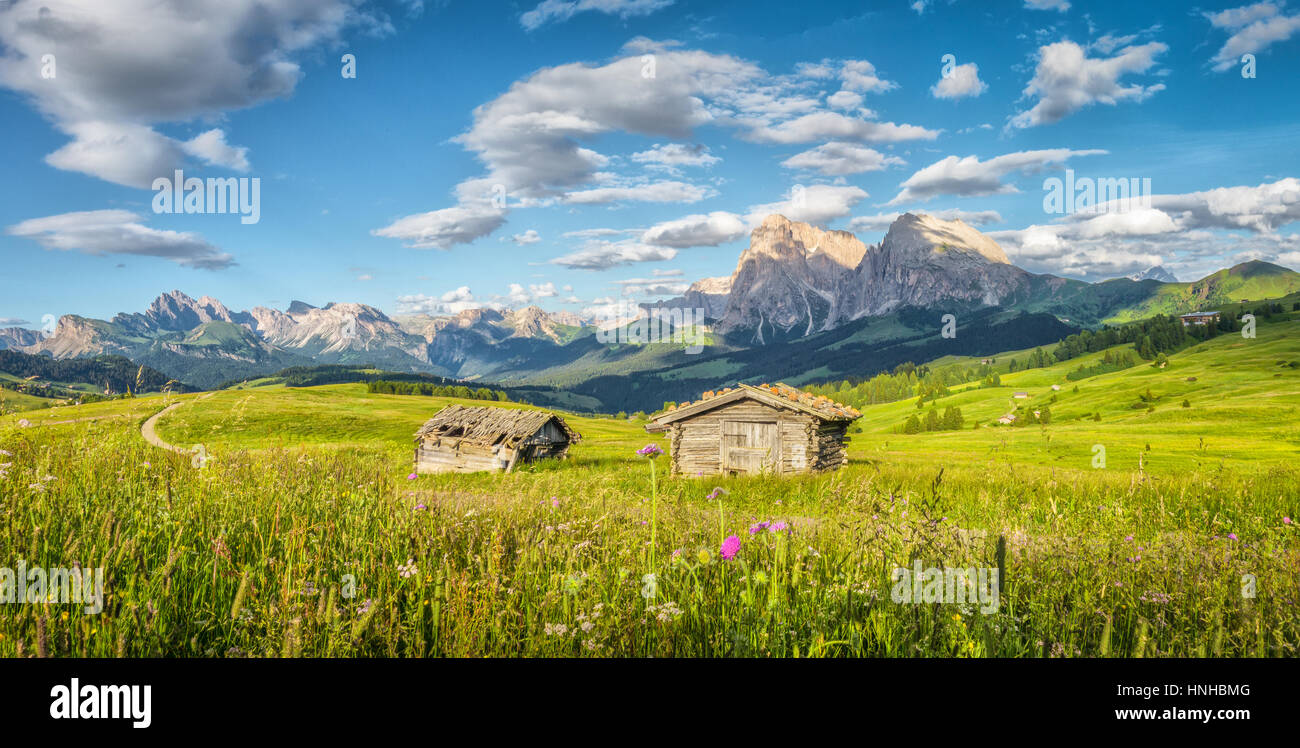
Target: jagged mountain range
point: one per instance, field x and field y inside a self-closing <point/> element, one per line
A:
<point x="793" y="282"/>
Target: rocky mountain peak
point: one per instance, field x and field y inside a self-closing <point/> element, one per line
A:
<point x="922" y="238"/>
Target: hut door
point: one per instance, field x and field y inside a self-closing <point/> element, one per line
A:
<point x="749" y="447"/>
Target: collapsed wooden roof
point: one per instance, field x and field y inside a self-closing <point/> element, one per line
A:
<point x="481" y="424"/>
<point x="779" y="395"/>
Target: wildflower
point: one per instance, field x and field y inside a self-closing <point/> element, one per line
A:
<point x="730" y="547"/>
<point x="778" y="527"/>
<point x="364" y="607"/>
<point x="148" y="465"/>
<point x="418" y="507"/>
<point x="5" y="453"/>
<point x="717" y="491"/>
<point x="555" y="501"/>
<point x="411" y="476"/>
<point x="704" y="557"/>
<point x="1286" y="520"/>
<point x="1232" y="536"/>
<point x="556" y="629"/>
<point x="650" y="450"/>
<point x="1128" y="539"/>
<point x="757" y="528"/>
<point x="408" y="569"/>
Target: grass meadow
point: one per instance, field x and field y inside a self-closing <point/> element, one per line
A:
<point x="302" y="534"/>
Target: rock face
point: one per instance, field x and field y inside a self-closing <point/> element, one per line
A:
<point x="796" y="279"/>
<point x="708" y="294"/>
<point x="786" y="281"/>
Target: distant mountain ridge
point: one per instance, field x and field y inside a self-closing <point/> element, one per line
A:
<point x="793" y="281"/>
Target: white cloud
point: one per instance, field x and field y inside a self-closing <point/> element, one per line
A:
<point x="816" y="204"/>
<point x="652" y="287"/>
<point x="1201" y="229"/>
<point x="125" y="66"/>
<point x="961" y="81"/>
<point x="718" y="227"/>
<point x="673" y="155"/>
<point x="835" y="126"/>
<point x="533" y="139"/>
<point x="1061" y="5"/>
<point x="1253" y="28"/>
<point x="212" y="148"/>
<point x="557" y="11"/>
<point x="443" y="229"/>
<point x="600" y="254"/>
<point x="840" y="159"/>
<point x="844" y="100"/>
<point x="100" y="232"/>
<point x="882" y="221"/>
<point x="528" y="237"/>
<point x="970" y="177"/>
<point x="1067" y="80"/>
<point x="651" y="192"/>
<point x="860" y="75"/>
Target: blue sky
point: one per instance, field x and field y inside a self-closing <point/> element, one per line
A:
<point x="635" y="142"/>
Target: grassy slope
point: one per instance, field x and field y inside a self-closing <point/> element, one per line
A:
<point x="1245" y="407"/>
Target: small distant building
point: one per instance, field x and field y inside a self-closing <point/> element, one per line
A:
<point x="1056" y="388"/>
<point x="471" y="439"/>
<point x="1199" y="318"/>
<point x="1008" y="419"/>
<point x="1021" y="395"/>
<point x="746" y="429"/>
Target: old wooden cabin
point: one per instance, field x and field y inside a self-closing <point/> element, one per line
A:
<point x="470" y="439"/>
<point x="767" y="428"/>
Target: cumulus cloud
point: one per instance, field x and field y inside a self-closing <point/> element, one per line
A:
<point x="960" y="82"/>
<point x="650" y="192"/>
<point x="970" y="177"/>
<point x="1067" y="80"/>
<point x="1252" y="28"/>
<point x="101" y="232"/>
<point x="528" y="237"/>
<point x="817" y="204"/>
<point x="835" y="126"/>
<point x="882" y="221"/>
<point x="652" y="287"/>
<point x="534" y="140"/>
<point x="558" y="11"/>
<point x="860" y="75"/>
<point x="600" y="254"/>
<point x="1202" y="228"/>
<point x="445" y="228"/>
<point x="126" y="66"/>
<point x="840" y="159"/>
<point x="718" y="227"/>
<point x="844" y="100"/>
<point x="674" y="155"/>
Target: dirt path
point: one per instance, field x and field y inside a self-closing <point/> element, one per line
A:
<point x="150" y="434"/>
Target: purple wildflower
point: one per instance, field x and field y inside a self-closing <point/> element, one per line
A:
<point x="411" y="476"/>
<point x="1286" y="520"/>
<point x="778" y="527"/>
<point x="761" y="526"/>
<point x="1232" y="536"/>
<point x="650" y="450"/>
<point x="730" y="547"/>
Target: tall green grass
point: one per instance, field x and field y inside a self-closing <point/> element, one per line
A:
<point x="332" y="551"/>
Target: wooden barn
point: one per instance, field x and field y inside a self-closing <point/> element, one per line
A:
<point x="465" y="439"/>
<point x="767" y="428"/>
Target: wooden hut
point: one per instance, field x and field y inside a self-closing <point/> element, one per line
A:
<point x="767" y="428"/>
<point x="465" y="439"/>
